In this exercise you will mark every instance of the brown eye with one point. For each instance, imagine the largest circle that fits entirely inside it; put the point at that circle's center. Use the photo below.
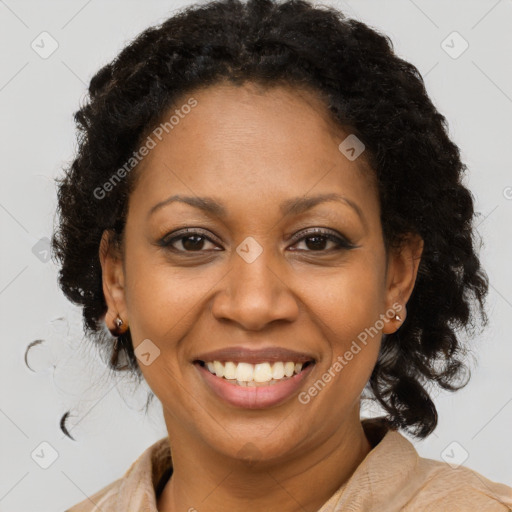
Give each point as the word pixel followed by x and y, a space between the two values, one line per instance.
pixel 191 241
pixel 317 239
pixel 316 242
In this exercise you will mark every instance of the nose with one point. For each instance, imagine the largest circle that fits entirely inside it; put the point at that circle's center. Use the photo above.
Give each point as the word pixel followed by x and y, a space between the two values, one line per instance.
pixel 255 294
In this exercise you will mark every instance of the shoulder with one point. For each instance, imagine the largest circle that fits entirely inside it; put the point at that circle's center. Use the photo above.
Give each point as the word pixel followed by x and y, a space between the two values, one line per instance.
pixel 102 501
pixel 135 489
pixel 441 487
pixel 397 478
pixel 460 488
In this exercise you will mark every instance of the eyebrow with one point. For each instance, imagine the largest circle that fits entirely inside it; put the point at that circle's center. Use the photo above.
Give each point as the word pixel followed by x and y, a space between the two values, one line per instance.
pixel 293 206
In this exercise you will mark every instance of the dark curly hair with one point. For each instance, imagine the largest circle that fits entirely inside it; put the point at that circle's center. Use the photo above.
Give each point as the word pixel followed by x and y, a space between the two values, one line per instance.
pixel 367 89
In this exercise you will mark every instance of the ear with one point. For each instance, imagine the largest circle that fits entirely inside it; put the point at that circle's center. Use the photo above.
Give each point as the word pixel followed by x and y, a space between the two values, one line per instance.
pixel 112 275
pixel 401 275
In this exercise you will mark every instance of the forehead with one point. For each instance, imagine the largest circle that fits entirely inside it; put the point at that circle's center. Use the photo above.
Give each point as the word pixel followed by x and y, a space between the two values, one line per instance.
pixel 251 142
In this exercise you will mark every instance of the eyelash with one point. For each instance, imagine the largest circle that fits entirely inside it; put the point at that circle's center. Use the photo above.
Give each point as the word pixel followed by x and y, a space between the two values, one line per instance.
pixel 341 242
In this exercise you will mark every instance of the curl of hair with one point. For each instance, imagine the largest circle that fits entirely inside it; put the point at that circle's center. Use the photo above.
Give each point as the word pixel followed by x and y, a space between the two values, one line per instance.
pixel 368 90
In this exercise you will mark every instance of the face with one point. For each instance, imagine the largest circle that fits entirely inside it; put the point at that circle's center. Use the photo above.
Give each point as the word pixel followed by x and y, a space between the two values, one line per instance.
pixel 253 272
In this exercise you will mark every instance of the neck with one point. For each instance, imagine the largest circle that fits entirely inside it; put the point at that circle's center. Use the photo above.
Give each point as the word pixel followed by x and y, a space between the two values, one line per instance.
pixel 205 480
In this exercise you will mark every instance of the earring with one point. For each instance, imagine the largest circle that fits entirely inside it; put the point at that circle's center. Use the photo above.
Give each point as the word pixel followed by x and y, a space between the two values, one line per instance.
pixel 121 327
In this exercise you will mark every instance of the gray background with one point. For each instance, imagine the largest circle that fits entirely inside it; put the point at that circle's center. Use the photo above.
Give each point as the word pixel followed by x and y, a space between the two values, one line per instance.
pixel 37 99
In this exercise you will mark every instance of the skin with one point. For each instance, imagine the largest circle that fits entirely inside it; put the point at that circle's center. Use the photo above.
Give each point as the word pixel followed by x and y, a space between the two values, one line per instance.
pixel 251 149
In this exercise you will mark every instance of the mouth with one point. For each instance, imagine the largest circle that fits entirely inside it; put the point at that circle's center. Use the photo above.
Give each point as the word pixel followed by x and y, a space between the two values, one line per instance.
pixel 253 386
pixel 254 375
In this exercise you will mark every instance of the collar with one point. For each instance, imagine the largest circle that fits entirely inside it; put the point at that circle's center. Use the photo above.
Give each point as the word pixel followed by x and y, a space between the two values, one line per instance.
pixel 137 490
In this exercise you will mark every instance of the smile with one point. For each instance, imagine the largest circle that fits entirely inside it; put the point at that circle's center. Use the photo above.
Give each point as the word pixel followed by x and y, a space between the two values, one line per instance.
pixel 253 386
pixel 261 374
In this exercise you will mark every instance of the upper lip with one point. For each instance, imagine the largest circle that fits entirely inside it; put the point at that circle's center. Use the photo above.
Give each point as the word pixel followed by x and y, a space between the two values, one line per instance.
pixel 246 355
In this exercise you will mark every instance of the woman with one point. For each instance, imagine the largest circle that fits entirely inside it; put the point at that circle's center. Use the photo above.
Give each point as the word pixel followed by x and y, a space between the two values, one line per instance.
pixel 267 213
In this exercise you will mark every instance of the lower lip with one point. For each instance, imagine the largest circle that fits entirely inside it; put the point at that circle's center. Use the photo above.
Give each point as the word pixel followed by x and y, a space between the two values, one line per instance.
pixel 257 397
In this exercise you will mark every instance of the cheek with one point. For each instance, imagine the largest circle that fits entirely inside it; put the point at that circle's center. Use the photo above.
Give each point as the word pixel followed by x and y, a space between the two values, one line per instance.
pixel 351 298
pixel 160 300
pixel 348 307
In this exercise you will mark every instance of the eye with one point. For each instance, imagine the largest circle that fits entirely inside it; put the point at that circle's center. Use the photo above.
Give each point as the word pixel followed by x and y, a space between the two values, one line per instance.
pixel 191 240
pixel 316 240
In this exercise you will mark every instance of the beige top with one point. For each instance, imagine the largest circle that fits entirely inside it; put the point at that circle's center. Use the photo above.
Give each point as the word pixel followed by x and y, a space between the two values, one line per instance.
pixel 392 477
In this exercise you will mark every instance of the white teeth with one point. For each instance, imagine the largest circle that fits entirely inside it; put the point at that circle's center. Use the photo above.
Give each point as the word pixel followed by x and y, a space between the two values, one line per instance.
pixel 278 370
pixel 289 368
pixel 262 372
pixel 249 374
pixel 229 370
pixel 218 369
pixel 244 372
